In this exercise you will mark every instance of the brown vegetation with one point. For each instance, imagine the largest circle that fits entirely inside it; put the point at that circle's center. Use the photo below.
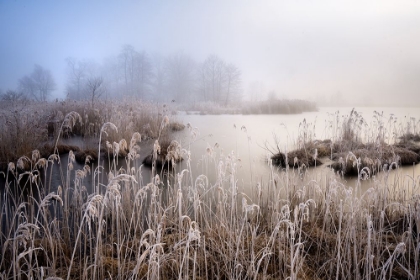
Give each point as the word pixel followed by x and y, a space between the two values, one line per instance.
pixel 350 155
pixel 197 230
pixel 29 126
pixel 290 226
pixel 165 153
pixel 274 106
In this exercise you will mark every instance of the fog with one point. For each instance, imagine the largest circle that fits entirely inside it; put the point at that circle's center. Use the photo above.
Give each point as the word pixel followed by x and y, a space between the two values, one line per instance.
pixel 332 52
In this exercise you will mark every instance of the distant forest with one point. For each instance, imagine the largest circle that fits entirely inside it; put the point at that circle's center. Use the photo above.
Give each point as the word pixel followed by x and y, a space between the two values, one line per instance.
pixel 155 77
pixel 132 73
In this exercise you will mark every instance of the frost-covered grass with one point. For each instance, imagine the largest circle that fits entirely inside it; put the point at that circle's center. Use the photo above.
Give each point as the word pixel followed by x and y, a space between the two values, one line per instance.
pixel 29 126
pixel 275 106
pixel 355 145
pixel 181 225
pixel 209 108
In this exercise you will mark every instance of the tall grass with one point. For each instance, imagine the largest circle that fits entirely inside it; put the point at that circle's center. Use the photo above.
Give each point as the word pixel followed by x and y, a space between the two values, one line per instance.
pixel 180 225
pixel 352 145
pixel 273 106
pixel 43 126
pixel 276 106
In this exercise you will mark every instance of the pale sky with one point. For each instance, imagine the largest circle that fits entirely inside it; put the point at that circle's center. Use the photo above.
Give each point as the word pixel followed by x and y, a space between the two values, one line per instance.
pixel 367 51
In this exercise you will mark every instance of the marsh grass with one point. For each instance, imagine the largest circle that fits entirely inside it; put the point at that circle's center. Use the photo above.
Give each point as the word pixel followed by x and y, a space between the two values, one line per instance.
pixel 276 106
pixel 208 108
pixel 46 126
pixel 355 145
pixel 181 225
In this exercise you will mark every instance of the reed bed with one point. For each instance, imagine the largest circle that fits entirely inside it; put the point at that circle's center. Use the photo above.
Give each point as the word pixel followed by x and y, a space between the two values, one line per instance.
pixel 25 127
pixel 274 106
pixel 209 108
pixel 180 225
pixel 354 144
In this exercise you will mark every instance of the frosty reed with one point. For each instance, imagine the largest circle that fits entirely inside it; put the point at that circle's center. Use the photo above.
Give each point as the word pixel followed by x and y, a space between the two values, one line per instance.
pixel 181 225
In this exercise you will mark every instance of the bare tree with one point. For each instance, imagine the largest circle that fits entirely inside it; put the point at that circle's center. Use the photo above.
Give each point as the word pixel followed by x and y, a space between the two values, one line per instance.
pixel 143 73
pixel 127 57
pixel 137 71
pixel 77 72
pixel 272 95
pixel 212 78
pixel 159 77
pixel 219 82
pixel 38 85
pixel 256 90
pixel 113 74
pixel 233 83
pixel 95 88
pixel 28 87
pixel 85 80
pixel 180 80
pixel 12 96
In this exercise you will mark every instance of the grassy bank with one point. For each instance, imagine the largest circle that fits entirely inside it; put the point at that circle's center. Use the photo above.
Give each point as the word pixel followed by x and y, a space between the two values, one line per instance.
pixel 275 106
pixel 356 146
pixel 181 225
pixel 43 126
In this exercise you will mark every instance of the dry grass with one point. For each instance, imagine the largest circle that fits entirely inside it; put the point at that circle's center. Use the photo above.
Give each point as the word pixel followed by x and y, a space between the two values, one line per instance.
pixel 208 108
pixel 285 106
pixel 188 226
pixel 46 126
pixel 352 151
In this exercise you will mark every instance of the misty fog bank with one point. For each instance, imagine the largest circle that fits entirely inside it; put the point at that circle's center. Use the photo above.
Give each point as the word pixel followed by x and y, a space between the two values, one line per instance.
pixel 348 53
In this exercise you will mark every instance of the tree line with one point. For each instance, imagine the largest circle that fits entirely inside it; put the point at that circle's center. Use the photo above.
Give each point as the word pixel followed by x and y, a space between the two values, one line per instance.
pixel 36 86
pixel 154 77
pixel 132 73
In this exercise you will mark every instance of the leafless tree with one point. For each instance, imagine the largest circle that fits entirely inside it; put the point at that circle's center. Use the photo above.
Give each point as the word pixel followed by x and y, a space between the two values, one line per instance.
pixel 180 69
pixel 219 82
pixel 212 78
pixel 272 95
pixel 38 85
pixel 143 73
pixel 113 74
pixel 77 72
pixel 256 91
pixel 233 83
pixel 127 57
pixel 12 96
pixel 28 87
pixel 137 71
pixel 95 88
pixel 159 77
